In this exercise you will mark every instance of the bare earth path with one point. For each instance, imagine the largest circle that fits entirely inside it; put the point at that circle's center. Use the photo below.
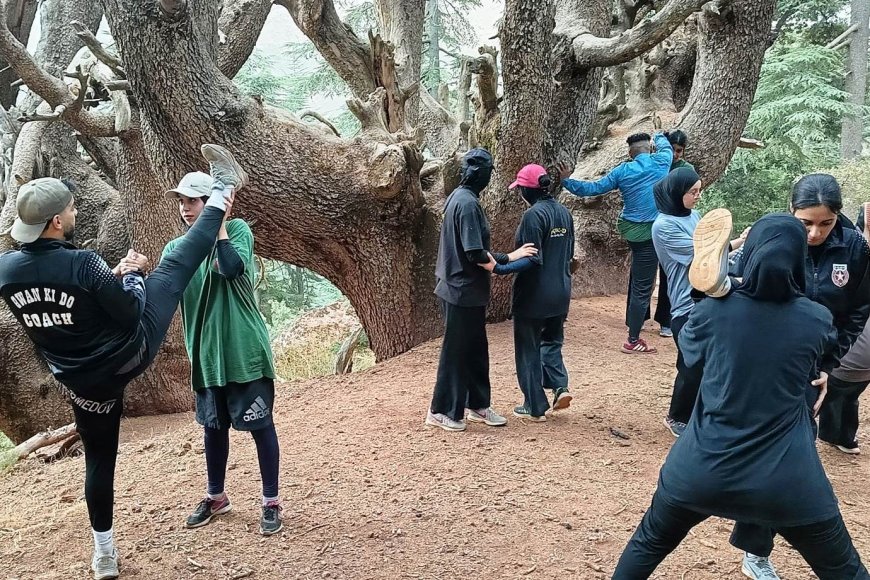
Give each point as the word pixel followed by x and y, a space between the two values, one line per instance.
pixel 369 492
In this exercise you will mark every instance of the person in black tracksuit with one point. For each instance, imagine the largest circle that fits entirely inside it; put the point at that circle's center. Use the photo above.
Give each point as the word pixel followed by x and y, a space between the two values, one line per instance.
pixel 541 295
pixel 462 285
pixel 836 277
pixel 99 328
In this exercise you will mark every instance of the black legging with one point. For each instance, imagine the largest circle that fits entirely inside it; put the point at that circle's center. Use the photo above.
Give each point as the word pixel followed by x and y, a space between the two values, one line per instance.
pixel 838 418
pixel 98 420
pixel 826 546
pixel 644 265
pixel 217 451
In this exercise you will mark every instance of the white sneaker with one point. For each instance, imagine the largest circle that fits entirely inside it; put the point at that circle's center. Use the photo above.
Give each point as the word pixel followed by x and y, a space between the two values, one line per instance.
pixel 758 568
pixel 105 566
pixel 487 416
pixel 443 421
pixel 708 272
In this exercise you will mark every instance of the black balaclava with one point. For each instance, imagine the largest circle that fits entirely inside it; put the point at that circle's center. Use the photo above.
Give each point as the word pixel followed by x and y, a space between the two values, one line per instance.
pixel 476 170
pixel 775 256
pixel 669 191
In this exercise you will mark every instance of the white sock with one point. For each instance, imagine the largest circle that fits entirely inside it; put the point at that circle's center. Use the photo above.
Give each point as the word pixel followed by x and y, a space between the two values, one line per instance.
pixel 268 500
pixel 219 201
pixel 104 544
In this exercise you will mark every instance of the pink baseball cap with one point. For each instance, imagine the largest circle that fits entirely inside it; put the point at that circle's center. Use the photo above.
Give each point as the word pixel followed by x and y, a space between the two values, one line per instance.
pixel 529 176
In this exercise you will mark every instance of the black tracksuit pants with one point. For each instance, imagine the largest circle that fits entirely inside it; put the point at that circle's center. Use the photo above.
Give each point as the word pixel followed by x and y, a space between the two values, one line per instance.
pixel 538 354
pixel 838 418
pixel 463 369
pixel 98 419
pixel 688 381
pixel 825 546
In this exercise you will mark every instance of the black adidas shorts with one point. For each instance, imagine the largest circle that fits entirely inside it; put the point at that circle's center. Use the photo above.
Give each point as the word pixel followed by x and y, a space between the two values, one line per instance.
pixel 244 406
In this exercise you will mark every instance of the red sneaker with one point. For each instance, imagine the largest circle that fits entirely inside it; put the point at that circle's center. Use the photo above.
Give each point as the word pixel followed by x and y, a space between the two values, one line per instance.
pixel 639 347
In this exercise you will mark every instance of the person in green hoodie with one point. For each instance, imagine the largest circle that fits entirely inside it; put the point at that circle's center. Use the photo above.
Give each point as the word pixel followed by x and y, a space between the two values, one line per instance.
pixel 232 372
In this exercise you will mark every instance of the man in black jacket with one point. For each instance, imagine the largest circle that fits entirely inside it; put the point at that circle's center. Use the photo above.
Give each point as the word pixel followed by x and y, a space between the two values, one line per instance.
pixel 98 328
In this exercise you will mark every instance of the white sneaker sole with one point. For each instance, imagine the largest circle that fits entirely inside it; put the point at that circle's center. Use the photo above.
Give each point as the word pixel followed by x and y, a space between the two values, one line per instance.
pixel 434 423
pixel 711 239
pixel 563 402
pixel 848 451
pixel 105 575
pixel 224 510
pixel 273 532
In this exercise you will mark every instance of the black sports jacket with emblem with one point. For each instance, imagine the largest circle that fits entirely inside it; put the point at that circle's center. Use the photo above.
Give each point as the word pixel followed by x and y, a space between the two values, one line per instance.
pixel 837 278
pixel 81 318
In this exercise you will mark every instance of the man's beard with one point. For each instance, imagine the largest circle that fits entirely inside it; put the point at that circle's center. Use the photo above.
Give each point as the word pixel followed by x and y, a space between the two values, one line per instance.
pixel 70 234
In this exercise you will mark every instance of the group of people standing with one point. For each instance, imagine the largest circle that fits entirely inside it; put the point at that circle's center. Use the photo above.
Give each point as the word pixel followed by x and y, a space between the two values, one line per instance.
pixel 769 328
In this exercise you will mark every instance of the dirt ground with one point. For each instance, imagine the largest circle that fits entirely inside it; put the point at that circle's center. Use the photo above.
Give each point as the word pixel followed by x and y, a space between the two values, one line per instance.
pixel 370 492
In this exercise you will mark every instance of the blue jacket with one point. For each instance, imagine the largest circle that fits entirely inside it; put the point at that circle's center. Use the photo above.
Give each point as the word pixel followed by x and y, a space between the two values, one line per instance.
pixel 634 179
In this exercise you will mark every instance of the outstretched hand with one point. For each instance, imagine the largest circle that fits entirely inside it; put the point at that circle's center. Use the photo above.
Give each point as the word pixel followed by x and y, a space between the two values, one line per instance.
pixel 820 383
pixel 565 170
pixel 524 251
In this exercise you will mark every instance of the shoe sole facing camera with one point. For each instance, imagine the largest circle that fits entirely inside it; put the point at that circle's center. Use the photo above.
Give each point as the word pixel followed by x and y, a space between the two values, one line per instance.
pixel 217 154
pixel 224 510
pixel 563 402
pixel 711 238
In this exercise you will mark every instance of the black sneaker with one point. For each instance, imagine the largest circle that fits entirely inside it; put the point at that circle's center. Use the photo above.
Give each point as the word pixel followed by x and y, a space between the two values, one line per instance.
pixel 561 398
pixel 206 510
pixel 524 412
pixel 270 521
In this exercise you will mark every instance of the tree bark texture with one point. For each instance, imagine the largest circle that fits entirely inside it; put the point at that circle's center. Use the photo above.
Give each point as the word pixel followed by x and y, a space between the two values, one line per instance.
pixel 852 139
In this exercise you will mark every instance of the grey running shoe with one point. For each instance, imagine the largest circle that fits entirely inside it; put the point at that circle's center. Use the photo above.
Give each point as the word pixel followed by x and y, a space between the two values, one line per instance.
pixel 270 521
pixel 709 270
pixel 487 416
pixel 675 427
pixel 758 568
pixel 206 510
pixel 524 412
pixel 224 167
pixel 666 332
pixel 443 421
pixel 105 566
pixel 562 398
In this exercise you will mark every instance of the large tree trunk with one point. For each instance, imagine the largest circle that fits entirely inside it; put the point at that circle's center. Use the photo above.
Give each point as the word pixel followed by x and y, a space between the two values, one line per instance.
pixel 19 16
pixel 852 140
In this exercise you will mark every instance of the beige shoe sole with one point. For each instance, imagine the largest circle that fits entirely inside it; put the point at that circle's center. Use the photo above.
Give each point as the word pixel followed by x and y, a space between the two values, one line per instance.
pixel 711 239
pixel 216 153
pixel 563 403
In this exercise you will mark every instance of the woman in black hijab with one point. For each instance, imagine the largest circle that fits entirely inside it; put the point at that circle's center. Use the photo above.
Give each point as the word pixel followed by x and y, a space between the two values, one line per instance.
pixel 748 452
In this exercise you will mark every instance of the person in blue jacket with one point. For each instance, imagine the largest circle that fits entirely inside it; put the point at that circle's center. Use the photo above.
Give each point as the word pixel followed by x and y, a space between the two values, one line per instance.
pixel 635 180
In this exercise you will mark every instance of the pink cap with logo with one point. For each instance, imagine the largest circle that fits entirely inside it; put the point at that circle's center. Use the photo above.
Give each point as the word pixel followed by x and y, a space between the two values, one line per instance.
pixel 529 176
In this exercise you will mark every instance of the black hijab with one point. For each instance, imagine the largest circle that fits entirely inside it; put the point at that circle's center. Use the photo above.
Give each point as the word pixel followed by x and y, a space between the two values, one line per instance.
pixel 669 191
pixel 775 255
pixel 476 169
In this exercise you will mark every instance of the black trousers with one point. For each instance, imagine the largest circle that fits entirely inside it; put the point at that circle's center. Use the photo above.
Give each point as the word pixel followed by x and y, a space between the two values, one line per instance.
pixel 688 381
pixel 644 265
pixel 838 418
pixel 826 546
pixel 663 304
pixel 98 418
pixel 463 369
pixel 538 355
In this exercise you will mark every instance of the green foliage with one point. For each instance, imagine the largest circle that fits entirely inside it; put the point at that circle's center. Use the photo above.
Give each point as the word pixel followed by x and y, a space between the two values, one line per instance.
pixel 259 77
pixel 797 113
pixel 854 180
pixel 287 291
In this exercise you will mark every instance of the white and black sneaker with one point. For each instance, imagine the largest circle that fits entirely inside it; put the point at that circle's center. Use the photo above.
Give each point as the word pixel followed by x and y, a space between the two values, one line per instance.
pixel 206 510
pixel 271 521
pixel 224 167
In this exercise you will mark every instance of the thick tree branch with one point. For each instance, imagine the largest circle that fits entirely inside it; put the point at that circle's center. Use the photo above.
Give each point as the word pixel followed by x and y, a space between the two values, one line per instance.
pixel 241 21
pixel 96 47
pixel 592 51
pixel 343 50
pixel 486 69
pixel 53 90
